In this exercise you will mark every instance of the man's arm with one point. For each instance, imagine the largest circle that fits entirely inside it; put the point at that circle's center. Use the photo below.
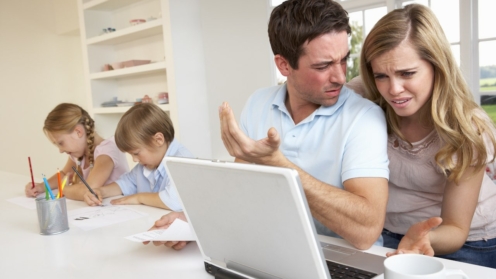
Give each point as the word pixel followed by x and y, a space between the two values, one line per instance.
pixel 356 213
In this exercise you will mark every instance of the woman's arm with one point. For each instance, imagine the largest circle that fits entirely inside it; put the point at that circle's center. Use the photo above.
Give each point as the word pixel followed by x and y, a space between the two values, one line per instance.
pixel 457 211
pixel 459 203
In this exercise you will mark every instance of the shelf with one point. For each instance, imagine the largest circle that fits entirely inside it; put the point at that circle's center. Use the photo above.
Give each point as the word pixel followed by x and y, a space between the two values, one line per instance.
pixel 107 5
pixel 131 71
pixel 139 31
pixel 117 110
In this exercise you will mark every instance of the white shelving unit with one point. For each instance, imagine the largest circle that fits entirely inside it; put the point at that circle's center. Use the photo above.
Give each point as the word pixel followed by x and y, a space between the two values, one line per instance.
pixel 151 40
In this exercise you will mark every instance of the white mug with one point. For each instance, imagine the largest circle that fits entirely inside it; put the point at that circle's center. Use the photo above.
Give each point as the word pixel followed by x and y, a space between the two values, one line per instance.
pixel 414 266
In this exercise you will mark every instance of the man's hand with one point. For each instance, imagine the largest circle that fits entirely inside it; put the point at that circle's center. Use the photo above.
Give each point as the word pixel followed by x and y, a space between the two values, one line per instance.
pixel 265 151
pixel 164 223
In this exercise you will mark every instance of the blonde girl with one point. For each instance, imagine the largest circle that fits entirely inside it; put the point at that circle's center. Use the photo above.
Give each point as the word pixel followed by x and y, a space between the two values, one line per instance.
pixel 70 128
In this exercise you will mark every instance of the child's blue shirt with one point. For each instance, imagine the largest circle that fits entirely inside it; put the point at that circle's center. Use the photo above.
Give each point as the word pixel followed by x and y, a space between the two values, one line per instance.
pixel 142 180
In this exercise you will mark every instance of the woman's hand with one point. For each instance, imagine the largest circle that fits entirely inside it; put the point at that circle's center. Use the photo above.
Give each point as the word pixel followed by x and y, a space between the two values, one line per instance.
pixel 416 239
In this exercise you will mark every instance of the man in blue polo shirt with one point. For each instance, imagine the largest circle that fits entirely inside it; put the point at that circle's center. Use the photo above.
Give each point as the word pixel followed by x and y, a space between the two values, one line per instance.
pixel 334 138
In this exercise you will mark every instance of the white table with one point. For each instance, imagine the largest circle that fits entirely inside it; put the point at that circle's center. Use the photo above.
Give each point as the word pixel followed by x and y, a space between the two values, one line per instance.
pixel 104 252
pixel 99 253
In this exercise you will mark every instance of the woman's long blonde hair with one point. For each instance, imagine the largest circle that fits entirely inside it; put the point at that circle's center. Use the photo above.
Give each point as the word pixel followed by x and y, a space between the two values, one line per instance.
pixel 451 108
pixel 64 118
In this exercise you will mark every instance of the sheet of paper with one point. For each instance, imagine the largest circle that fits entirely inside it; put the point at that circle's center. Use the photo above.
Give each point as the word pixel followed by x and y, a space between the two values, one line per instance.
pixel 177 231
pixel 89 218
pixel 26 202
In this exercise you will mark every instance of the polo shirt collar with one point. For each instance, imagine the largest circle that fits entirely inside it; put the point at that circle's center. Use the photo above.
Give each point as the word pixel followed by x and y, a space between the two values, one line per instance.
pixel 172 149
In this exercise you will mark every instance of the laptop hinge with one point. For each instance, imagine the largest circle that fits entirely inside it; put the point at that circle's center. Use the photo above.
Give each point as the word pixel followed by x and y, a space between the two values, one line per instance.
pixel 243 269
pixel 225 274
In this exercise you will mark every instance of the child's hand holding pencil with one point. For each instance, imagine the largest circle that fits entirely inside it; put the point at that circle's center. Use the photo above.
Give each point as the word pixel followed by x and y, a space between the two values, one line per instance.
pixel 32 192
pixel 93 199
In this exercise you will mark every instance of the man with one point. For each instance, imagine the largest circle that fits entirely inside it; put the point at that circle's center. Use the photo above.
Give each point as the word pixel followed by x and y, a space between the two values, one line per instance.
pixel 336 140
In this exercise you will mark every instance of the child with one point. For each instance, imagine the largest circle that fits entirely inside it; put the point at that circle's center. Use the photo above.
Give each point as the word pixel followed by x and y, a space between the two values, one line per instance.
pixel 99 160
pixel 145 131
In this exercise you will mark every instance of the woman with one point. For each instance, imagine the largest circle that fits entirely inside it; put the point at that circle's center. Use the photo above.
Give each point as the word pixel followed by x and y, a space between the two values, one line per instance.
pixel 441 202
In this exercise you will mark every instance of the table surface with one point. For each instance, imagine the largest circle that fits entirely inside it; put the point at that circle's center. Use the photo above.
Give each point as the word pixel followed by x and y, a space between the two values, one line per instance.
pixel 104 252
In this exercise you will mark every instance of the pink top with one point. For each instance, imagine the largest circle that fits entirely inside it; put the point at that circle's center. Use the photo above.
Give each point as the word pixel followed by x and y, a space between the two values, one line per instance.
pixel 109 148
pixel 416 186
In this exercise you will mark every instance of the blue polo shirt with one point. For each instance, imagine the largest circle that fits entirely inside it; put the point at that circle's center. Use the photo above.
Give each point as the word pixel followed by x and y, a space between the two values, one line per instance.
pixel 333 144
pixel 143 180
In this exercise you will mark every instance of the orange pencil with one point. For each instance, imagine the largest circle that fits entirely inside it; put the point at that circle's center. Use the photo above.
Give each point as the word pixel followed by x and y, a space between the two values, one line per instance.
pixel 59 195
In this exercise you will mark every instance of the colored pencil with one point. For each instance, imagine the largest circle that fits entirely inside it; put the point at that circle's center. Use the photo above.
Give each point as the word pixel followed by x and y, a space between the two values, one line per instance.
pixel 31 170
pixel 47 186
pixel 59 184
pixel 63 185
pixel 84 181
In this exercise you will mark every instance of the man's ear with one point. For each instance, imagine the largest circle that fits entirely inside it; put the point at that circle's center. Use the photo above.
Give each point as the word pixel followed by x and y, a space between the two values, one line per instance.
pixel 282 65
pixel 158 139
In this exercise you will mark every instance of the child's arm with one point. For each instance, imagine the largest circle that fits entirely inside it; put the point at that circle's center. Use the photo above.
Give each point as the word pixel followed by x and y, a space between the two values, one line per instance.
pixel 99 174
pixel 151 199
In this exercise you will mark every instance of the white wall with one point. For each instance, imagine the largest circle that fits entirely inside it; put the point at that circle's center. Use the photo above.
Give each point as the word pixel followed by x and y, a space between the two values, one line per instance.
pixel 38 70
pixel 237 57
pixel 190 80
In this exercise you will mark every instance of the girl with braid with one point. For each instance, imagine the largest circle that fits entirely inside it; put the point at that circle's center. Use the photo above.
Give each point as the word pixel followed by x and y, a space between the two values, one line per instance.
pixel 72 130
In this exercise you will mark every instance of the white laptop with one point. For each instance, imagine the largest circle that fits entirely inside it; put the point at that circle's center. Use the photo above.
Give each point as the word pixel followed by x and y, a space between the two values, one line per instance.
pixel 253 221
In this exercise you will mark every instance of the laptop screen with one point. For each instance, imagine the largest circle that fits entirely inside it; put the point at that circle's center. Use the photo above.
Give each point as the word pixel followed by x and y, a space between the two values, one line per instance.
pixel 249 218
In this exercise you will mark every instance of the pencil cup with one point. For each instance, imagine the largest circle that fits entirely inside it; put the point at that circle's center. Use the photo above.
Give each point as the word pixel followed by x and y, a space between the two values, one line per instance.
pixel 52 216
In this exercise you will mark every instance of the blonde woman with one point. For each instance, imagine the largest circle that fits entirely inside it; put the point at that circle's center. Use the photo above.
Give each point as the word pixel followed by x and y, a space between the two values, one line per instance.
pixel 441 201
pixel 71 129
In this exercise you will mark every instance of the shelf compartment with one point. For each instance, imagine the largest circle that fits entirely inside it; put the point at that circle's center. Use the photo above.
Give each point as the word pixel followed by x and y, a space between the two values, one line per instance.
pixel 117 110
pixel 107 5
pixel 139 31
pixel 131 71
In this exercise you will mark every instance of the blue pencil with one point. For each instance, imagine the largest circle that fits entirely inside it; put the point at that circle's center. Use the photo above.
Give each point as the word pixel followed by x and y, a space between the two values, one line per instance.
pixel 47 186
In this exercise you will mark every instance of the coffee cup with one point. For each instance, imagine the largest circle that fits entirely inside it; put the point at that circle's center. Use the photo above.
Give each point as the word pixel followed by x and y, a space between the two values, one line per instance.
pixel 414 266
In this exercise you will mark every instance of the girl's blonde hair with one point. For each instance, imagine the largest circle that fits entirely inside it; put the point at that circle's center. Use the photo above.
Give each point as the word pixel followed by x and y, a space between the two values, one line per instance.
pixel 139 124
pixel 451 108
pixel 64 118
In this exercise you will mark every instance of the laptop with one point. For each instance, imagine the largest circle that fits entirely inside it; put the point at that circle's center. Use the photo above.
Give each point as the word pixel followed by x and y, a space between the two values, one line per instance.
pixel 253 221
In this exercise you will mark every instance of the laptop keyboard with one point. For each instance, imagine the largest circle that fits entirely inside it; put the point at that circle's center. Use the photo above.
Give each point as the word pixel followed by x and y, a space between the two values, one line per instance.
pixel 339 271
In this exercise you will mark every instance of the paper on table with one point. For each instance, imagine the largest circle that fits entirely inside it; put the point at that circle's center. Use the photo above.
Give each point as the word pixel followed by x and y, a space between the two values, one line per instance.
pixel 24 202
pixel 177 231
pixel 89 218
pixel 28 202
